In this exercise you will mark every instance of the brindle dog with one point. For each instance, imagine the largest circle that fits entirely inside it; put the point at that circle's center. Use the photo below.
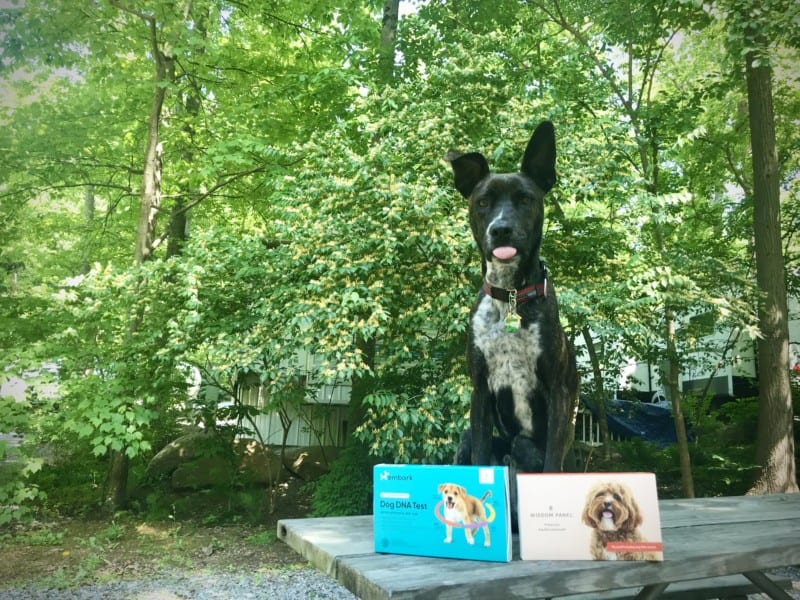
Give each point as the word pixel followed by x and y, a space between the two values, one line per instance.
pixel 525 382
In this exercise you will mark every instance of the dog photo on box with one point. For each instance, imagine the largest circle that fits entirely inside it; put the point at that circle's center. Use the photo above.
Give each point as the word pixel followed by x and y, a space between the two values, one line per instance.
pixel 589 516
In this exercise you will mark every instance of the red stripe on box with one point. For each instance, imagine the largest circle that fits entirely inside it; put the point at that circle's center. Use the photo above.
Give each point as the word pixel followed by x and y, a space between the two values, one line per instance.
pixel 635 547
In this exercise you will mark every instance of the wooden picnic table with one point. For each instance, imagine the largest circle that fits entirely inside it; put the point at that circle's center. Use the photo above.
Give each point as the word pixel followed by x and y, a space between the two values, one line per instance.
pixel 706 542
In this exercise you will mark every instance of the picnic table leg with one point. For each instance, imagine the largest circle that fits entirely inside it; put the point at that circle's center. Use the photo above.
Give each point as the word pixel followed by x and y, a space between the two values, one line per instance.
pixel 766 585
pixel 650 592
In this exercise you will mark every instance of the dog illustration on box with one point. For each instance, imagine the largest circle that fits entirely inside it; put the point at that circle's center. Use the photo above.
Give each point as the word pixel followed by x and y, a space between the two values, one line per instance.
pixel 614 515
pixel 463 510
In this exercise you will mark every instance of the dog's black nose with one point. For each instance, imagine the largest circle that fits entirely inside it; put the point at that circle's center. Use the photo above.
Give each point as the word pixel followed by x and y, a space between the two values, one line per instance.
pixel 500 231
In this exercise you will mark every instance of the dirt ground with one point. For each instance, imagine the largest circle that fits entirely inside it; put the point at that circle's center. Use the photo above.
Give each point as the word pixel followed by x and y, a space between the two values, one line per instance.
pixel 66 552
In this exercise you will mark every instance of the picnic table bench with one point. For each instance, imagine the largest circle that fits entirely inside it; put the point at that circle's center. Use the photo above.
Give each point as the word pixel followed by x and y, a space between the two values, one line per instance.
pixel 712 546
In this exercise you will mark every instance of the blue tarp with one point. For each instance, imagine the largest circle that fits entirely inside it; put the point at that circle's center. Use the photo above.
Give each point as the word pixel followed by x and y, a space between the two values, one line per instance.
pixel 638 419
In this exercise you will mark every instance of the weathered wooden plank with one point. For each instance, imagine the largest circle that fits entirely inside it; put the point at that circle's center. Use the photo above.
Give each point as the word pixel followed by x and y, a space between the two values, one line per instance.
pixel 702 538
pixel 322 540
pixel 727 509
pixel 418 577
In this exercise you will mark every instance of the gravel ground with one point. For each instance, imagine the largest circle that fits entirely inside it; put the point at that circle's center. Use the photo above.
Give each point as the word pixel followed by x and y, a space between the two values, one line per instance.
pixel 296 584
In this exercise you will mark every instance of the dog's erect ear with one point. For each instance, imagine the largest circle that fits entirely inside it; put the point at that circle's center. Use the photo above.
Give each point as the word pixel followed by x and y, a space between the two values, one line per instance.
pixel 468 168
pixel 539 160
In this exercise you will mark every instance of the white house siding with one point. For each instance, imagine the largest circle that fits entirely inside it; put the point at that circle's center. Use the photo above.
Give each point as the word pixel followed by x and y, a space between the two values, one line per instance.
pixel 312 425
pixel 321 420
pixel 794 333
pixel 736 378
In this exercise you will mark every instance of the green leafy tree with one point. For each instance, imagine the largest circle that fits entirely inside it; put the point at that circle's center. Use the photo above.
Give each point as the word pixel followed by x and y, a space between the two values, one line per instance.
pixel 174 77
pixel 667 280
pixel 289 194
pixel 753 27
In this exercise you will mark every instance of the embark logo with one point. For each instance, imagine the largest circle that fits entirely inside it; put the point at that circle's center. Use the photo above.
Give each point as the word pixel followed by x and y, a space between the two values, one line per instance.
pixel 386 476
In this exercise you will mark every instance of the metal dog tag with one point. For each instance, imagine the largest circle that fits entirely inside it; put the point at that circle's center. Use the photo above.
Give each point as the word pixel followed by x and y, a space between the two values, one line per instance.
pixel 512 321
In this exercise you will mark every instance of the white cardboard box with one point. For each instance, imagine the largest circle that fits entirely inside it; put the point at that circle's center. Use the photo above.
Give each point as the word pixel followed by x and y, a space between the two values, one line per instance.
pixel 589 516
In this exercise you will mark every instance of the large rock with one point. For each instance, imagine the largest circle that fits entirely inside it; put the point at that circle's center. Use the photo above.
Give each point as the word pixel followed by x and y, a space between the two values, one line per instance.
pixel 310 462
pixel 198 460
pixel 184 449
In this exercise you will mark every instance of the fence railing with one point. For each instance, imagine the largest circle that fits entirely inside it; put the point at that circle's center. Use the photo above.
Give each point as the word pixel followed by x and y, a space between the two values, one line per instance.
pixel 587 428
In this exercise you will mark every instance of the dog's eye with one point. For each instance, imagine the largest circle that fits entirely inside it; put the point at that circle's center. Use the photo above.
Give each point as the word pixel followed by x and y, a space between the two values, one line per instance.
pixel 617 498
pixel 483 202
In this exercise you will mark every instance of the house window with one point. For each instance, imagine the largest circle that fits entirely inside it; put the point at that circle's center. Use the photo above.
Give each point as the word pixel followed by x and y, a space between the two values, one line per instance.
pixel 251 396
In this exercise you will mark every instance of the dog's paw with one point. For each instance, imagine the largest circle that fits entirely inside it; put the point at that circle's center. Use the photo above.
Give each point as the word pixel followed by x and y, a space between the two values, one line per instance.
pixel 470 541
pixel 486 544
pixel 447 540
pixel 526 456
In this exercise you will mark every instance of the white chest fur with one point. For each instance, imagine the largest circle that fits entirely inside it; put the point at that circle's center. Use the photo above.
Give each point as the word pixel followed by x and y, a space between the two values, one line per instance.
pixel 511 357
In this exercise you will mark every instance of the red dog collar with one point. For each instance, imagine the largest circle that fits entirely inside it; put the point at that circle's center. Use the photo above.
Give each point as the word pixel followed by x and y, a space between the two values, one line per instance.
pixel 532 292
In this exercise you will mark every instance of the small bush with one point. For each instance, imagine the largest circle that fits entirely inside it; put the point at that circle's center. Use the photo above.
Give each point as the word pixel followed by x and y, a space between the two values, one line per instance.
pixel 722 454
pixel 347 488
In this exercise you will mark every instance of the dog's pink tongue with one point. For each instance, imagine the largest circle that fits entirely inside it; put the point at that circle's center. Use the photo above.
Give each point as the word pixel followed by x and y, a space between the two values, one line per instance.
pixel 504 252
pixel 607 514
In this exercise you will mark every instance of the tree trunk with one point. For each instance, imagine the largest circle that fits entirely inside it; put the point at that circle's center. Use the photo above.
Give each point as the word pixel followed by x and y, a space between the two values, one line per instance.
pixel 391 9
pixel 672 380
pixel 674 394
pixel 88 220
pixel 178 228
pixel 775 441
pixel 362 385
pixel 599 390
pixel 192 103
pixel 149 204
pixel 151 175
pixel 117 490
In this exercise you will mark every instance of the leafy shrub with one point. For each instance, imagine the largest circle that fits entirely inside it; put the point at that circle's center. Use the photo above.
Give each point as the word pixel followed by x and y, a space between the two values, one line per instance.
pixel 16 501
pixel 722 454
pixel 72 476
pixel 416 429
pixel 347 488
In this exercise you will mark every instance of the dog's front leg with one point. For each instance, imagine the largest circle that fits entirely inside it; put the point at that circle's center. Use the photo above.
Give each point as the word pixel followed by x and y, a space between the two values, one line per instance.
pixel 481 425
pixel 448 534
pixel 464 450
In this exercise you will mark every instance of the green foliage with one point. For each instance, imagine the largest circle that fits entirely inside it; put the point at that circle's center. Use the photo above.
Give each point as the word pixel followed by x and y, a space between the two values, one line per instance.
pixel 73 476
pixel 347 488
pixel 44 537
pixel 416 429
pixel 16 501
pixel 264 538
pixel 114 390
pixel 323 216
pixel 722 453
pixel 19 489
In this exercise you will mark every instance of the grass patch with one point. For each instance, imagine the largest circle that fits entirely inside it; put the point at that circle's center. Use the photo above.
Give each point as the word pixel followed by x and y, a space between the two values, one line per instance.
pixel 264 538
